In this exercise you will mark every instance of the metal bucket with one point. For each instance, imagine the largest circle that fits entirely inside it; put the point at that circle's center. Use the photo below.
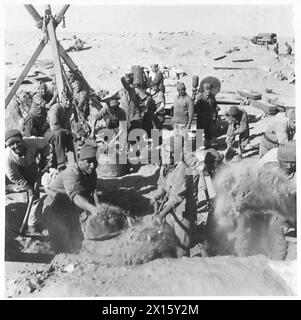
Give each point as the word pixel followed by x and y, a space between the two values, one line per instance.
pixel 109 166
pixel 138 75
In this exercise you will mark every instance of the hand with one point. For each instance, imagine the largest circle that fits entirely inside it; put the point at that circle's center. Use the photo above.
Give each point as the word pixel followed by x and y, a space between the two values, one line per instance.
pixel 154 201
pixel 95 211
pixel 32 193
pixel 157 220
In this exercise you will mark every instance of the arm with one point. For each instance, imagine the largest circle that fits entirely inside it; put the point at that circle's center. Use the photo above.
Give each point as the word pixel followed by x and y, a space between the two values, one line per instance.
pixel 281 132
pixel 158 78
pixel 160 190
pixel 176 195
pixel 74 189
pixel 243 125
pixel 97 117
pixel 161 104
pixel 14 175
pixel 54 119
pixel 190 113
pixel 53 100
pixel 84 204
pixel 82 100
pixel 96 199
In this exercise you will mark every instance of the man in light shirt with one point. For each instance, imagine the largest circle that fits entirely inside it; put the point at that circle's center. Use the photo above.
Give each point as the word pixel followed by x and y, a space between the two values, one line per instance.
pixel 21 167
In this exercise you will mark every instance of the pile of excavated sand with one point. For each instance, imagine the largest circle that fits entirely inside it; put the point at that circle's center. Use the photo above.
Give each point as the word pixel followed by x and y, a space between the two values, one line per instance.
pixel 74 276
pixel 145 242
pixel 109 220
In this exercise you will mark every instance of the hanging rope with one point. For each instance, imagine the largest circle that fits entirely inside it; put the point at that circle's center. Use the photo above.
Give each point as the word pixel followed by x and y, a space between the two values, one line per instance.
pixel 46 19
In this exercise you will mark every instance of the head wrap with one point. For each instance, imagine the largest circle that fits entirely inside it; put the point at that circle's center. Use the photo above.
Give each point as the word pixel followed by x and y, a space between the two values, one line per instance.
pixel 207 85
pixel 87 152
pixel 233 111
pixel 12 133
pixel 213 156
pixel 114 103
pixel 180 85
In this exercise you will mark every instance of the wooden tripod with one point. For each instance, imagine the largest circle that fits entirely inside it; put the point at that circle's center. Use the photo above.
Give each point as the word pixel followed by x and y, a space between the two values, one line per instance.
pixel 48 25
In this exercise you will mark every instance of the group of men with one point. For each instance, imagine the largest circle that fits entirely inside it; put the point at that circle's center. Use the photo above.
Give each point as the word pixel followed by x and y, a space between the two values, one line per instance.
pixel 48 132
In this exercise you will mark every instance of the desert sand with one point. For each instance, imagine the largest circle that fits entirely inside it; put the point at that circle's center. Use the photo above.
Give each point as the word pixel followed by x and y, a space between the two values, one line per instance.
pixel 31 271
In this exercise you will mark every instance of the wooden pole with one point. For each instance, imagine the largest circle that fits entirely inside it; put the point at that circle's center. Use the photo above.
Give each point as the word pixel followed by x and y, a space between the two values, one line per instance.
pixel 60 15
pixel 70 63
pixel 54 48
pixel 34 13
pixel 25 71
pixel 39 22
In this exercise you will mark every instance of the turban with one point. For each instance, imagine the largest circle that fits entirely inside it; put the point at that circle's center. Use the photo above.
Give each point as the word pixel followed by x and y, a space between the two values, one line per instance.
pixel 114 103
pixel 233 111
pixel 12 133
pixel 181 85
pixel 87 152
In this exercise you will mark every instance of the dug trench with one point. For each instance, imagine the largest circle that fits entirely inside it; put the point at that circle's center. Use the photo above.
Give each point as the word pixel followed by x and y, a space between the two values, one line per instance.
pixel 143 255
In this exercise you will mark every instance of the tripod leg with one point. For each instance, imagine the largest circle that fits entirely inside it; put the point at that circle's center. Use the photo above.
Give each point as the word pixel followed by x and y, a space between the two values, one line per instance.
pixel 24 73
pixel 69 62
pixel 56 56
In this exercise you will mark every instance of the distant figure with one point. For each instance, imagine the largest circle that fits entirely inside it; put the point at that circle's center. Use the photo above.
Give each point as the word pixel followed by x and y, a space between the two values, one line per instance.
pixel 78 44
pixel 157 90
pixel 288 48
pixel 183 111
pixel 207 112
pixel 157 83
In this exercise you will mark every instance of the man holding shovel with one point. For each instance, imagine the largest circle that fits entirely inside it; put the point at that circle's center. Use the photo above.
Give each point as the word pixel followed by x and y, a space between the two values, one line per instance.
pixel 176 192
pixel 21 168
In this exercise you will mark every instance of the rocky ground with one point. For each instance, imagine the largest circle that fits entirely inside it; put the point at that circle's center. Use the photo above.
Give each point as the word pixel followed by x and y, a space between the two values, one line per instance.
pixel 31 268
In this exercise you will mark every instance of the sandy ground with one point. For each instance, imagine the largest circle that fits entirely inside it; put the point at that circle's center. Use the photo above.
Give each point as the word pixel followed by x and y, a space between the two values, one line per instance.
pixel 31 268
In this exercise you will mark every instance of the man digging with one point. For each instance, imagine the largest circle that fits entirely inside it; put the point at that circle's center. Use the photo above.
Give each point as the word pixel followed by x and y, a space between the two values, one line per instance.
pixel 70 193
pixel 21 168
pixel 175 194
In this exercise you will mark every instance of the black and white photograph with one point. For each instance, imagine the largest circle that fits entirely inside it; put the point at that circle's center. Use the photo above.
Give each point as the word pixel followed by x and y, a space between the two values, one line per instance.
pixel 150 150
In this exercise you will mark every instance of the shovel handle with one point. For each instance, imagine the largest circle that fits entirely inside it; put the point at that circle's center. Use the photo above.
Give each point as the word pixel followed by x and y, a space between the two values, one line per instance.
pixel 25 220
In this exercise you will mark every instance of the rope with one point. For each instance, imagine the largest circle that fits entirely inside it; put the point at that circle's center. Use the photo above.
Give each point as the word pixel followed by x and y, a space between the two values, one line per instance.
pixel 44 28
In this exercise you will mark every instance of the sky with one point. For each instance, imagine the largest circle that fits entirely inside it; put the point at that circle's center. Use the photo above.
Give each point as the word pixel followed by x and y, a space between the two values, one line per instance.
pixel 229 20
